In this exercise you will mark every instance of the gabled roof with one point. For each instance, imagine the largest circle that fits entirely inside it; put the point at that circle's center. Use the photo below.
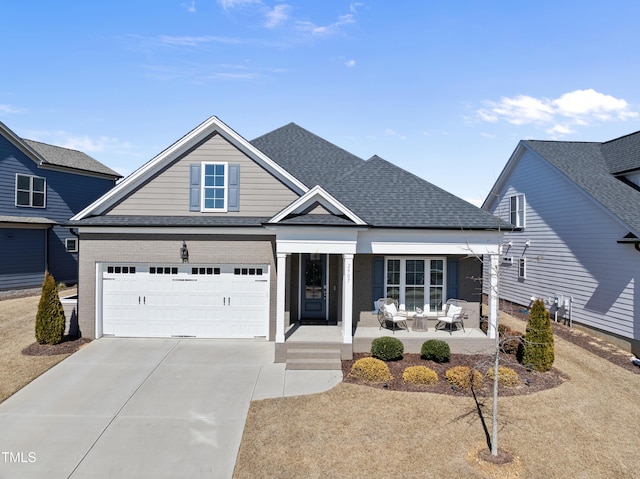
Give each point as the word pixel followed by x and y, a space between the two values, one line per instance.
pixel 385 195
pixel 209 127
pixel 56 156
pixel 591 166
pixel 311 159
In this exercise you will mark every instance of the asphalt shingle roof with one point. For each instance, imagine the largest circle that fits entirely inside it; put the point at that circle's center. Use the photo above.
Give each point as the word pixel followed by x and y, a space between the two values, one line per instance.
pixel 311 159
pixel 589 165
pixel 623 154
pixel 59 156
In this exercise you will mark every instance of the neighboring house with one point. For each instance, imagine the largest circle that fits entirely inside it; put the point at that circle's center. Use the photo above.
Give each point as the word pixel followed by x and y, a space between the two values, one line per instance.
pixel 219 237
pixel 576 208
pixel 41 187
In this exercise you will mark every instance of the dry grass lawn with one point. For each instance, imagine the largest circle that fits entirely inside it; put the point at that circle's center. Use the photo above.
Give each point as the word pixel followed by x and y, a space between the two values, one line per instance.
pixel 17 331
pixel 585 428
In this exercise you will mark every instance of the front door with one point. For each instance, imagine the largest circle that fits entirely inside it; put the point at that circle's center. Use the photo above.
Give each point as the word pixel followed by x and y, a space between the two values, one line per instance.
pixel 314 286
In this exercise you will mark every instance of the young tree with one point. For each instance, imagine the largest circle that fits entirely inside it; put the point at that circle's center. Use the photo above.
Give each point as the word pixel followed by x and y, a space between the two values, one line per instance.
pixel 50 320
pixel 538 340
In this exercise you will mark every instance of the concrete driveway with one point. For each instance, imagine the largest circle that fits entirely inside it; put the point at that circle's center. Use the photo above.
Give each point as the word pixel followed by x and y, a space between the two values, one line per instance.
pixel 138 408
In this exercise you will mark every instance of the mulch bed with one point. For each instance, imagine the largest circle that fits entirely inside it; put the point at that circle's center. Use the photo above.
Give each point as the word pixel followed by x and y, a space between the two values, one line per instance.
pixel 67 346
pixel 530 381
pixel 587 342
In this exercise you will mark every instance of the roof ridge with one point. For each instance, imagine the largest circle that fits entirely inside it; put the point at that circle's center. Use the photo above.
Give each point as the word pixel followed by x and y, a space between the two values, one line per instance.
pixel 621 137
pixel 54 146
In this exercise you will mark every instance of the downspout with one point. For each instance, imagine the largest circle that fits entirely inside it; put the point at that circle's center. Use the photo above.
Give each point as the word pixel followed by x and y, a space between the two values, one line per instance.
pixel 78 332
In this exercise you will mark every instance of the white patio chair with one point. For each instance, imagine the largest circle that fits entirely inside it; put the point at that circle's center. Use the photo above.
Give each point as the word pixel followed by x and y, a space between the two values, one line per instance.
pixel 390 313
pixel 454 315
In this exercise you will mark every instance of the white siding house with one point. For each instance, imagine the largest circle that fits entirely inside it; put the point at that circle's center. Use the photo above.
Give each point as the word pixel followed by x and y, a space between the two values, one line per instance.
pixel 573 215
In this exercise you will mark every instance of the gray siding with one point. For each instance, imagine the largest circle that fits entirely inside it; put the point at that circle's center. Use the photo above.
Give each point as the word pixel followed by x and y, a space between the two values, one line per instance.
pixel 573 251
pixel 167 194
pixel 203 249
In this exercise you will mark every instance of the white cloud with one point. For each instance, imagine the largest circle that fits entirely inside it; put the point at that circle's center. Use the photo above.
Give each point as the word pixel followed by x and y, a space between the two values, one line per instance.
pixel 392 132
pixel 575 108
pixel 226 4
pixel 350 63
pixel 189 7
pixel 10 109
pixel 84 143
pixel 277 16
pixel 310 27
pixel 354 6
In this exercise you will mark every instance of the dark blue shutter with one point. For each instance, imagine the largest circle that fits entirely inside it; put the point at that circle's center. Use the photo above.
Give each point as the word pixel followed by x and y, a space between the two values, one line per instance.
pixel 233 189
pixel 378 278
pixel 194 187
pixel 452 278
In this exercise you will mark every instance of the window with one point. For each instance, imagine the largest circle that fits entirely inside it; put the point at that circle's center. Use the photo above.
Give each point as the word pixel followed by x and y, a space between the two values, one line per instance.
pixel 71 245
pixel 522 268
pixel 516 211
pixel 416 282
pixel 30 191
pixel 214 189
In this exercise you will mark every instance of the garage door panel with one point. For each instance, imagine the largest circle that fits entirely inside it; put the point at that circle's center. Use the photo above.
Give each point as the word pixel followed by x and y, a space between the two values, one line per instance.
pixel 211 301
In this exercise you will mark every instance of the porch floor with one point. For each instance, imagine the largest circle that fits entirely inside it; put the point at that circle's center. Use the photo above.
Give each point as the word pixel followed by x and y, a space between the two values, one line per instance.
pixel 470 341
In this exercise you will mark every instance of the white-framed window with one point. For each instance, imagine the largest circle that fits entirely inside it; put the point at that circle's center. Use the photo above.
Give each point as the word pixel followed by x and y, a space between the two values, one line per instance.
pixel 31 191
pixel 522 268
pixel 517 210
pixel 214 186
pixel 416 282
pixel 71 245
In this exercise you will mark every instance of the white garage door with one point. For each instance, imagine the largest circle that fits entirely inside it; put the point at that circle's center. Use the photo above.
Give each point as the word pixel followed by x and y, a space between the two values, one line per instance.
pixel 202 301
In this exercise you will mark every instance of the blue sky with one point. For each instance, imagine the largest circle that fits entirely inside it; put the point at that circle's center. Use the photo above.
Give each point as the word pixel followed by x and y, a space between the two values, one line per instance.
pixel 442 89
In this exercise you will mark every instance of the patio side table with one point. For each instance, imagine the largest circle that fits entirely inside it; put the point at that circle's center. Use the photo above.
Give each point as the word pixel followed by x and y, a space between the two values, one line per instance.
pixel 419 322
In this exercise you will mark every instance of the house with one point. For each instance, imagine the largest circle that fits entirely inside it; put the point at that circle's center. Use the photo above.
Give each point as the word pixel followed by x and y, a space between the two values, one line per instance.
pixel 576 242
pixel 41 187
pixel 220 237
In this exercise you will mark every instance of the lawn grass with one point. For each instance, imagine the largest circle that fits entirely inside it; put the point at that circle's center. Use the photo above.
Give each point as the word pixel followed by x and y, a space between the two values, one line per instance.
pixel 17 331
pixel 586 427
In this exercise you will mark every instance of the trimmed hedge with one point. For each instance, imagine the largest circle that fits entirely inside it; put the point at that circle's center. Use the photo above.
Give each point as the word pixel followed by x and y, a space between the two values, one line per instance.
pixel 371 369
pixel 387 348
pixel 436 350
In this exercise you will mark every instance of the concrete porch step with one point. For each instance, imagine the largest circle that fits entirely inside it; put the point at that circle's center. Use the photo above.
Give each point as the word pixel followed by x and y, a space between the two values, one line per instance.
pixel 313 357
pixel 314 363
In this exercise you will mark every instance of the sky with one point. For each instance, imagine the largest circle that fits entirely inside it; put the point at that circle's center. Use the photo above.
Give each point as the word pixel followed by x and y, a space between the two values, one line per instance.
pixel 443 89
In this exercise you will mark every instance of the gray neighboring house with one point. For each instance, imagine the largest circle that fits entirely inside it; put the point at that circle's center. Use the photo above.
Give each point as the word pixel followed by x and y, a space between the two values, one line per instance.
pixel 41 187
pixel 576 206
pixel 220 237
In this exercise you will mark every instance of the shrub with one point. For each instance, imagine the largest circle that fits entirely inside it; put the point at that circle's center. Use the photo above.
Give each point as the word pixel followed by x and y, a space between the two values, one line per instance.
pixel 506 376
pixel 538 350
pixel 436 350
pixel 50 320
pixel 420 375
pixel 387 348
pixel 464 377
pixel 511 342
pixel 371 369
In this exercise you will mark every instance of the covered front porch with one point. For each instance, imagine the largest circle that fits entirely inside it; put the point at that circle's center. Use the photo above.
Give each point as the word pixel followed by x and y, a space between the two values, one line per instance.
pixel 359 266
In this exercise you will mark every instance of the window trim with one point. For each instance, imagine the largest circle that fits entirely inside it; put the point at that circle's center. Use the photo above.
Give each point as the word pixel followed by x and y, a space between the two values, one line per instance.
pixel 519 213
pixel 31 191
pixel 74 249
pixel 522 268
pixel 427 278
pixel 225 188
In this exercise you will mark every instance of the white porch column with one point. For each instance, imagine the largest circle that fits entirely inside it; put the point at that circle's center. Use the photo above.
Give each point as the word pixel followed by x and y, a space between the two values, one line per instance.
pixel 347 298
pixel 281 274
pixel 493 295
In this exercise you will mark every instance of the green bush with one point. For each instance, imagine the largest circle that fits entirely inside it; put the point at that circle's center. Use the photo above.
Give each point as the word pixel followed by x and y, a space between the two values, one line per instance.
pixel 371 369
pixel 538 350
pixel 420 375
pixel 436 350
pixel 387 348
pixel 50 320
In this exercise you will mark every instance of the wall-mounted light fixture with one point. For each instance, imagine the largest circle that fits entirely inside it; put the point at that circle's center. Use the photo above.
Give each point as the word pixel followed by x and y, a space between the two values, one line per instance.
pixel 630 238
pixel 527 243
pixel 184 253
